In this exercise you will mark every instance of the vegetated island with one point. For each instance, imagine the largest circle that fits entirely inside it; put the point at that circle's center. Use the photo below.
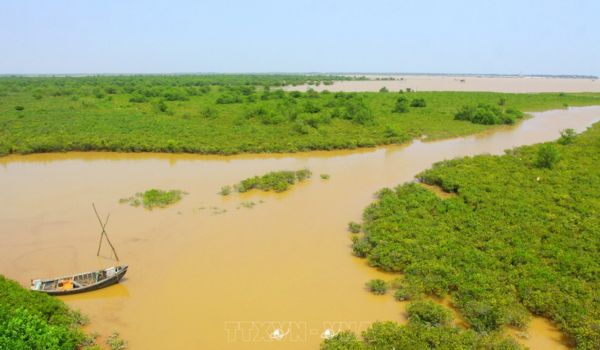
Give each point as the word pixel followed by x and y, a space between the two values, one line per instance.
pixel 229 114
pixel 154 198
pixel 520 237
pixel 278 181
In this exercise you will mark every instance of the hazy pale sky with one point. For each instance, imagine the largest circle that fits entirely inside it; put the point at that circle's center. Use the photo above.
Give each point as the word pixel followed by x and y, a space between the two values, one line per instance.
pixel 134 36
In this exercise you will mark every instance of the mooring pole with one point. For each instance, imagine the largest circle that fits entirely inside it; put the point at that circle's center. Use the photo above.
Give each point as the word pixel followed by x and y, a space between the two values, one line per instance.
pixel 103 233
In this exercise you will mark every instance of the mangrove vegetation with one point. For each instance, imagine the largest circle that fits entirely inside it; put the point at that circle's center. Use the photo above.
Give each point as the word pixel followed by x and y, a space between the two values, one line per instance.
pixel 154 198
pixel 520 237
pixel 228 114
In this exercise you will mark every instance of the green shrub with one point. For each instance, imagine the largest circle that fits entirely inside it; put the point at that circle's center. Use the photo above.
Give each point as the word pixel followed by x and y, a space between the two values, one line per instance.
pixel 154 198
pixel 377 286
pixel 325 176
pixel 418 103
pixel 33 320
pixel 567 136
pixel 401 105
pixel 547 156
pixel 278 181
pixel 429 313
pixel 19 108
pixel 354 227
pixel 384 89
pixel 487 114
pixel 225 190
pixel 344 340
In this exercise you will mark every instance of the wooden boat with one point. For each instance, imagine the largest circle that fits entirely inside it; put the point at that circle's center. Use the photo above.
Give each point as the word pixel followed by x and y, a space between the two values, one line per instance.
pixel 79 283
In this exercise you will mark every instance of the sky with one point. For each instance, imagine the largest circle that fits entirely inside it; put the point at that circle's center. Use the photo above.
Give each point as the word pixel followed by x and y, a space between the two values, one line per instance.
pixel 185 36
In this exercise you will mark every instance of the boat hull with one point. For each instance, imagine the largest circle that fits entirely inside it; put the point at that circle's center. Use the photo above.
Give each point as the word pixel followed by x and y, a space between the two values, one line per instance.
pixel 99 285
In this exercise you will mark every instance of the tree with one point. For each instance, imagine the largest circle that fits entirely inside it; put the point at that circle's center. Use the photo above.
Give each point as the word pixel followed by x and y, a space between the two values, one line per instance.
pixel 401 105
pixel 547 156
pixel 567 136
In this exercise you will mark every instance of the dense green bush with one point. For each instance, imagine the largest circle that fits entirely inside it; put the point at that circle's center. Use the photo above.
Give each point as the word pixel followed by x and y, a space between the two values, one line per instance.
pixel 377 286
pixel 418 103
pixel 547 156
pixel 354 227
pixel 154 198
pixel 516 239
pixel 488 114
pixel 429 313
pixel 278 181
pixel 32 321
pixel 401 105
pixel 567 136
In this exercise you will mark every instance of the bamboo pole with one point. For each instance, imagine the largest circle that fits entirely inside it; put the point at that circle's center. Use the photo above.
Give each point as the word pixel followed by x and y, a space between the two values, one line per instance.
pixel 103 233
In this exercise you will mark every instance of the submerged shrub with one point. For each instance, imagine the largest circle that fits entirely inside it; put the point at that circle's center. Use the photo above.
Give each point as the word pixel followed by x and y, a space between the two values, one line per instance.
pixel 354 227
pixel 154 198
pixel 225 190
pixel 278 181
pixel 377 286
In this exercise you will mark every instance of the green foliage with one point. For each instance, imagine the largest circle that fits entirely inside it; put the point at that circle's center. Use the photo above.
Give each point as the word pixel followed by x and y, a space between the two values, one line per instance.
pixel 384 89
pixel 429 313
pixel 226 114
pixel 115 342
pixel 488 114
pixel 345 340
pixel 377 286
pixel 31 320
pixel 418 102
pixel 401 105
pixel 515 240
pixel 154 198
pixel 225 190
pixel 19 108
pixel 354 227
pixel 325 176
pixel 567 137
pixel 547 156
pixel 278 181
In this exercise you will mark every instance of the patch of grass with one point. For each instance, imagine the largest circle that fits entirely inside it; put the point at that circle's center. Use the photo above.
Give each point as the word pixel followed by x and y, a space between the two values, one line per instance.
pixel 278 181
pixel 154 198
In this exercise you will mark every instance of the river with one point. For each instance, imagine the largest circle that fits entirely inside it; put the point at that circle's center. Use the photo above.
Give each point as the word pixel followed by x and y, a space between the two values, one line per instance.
pixel 209 273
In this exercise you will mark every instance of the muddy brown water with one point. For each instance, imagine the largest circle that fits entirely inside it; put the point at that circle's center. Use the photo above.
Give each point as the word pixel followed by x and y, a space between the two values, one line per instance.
pixel 201 277
pixel 461 83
